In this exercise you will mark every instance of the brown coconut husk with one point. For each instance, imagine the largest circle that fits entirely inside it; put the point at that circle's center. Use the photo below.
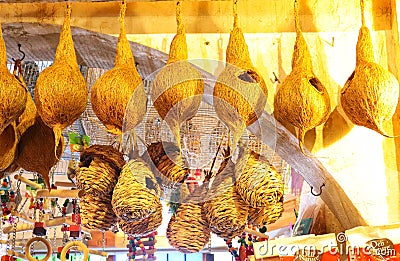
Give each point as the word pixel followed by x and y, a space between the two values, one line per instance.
pixel 370 96
pixel 260 217
pixel 225 210
pixel 135 199
pixel 178 87
pixel 8 146
pixel 12 91
pixel 301 99
pixel 61 94
pixel 258 182
pixel 167 163
pixel 112 92
pixel 36 150
pixel 240 93
pixel 96 212
pixel 143 227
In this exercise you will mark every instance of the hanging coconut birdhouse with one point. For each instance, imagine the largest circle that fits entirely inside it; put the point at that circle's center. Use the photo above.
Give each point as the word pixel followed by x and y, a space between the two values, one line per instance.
pixel 370 95
pixel 178 87
pixel 301 99
pixel 61 94
pixel 240 93
pixel 120 87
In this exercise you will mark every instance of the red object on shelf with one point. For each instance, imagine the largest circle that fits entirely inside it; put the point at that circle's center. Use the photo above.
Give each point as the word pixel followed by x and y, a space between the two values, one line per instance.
pixel 8 258
pixel 75 231
pixel 39 229
pixel 76 218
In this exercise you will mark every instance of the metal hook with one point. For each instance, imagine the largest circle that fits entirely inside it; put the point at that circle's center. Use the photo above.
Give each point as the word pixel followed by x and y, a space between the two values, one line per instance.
pixel 320 190
pixel 23 54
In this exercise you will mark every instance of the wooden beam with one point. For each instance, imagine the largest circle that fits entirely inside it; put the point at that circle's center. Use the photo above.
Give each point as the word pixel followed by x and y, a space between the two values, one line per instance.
pixel 158 17
pixel 54 193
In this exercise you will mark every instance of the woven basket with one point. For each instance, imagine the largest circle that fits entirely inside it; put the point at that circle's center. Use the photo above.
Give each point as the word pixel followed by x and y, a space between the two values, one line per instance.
pixel 260 217
pixel 240 93
pixel 167 163
pixel 178 87
pixel 61 94
pixel 225 210
pixel 258 182
pixel 36 150
pixel 187 229
pixel 143 227
pixel 28 117
pixel 8 146
pixel 301 99
pixel 114 90
pixel 12 91
pixel 96 212
pixel 370 96
pixel 133 200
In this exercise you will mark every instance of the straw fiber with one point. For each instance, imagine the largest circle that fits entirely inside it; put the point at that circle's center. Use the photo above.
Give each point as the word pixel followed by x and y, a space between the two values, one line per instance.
pixel 178 87
pixel 225 211
pixel 28 117
pixel 370 95
pixel 60 93
pixel 263 216
pixel 166 161
pixel 301 99
pixel 135 199
pixel 112 92
pixel 8 146
pixel 258 182
pixel 36 150
pixel 96 212
pixel 142 227
pixel 240 93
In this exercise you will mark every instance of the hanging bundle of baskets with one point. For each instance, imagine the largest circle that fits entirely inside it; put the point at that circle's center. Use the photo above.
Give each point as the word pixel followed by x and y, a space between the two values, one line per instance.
pixel 99 169
pixel 225 210
pixel 178 87
pixel 370 95
pixel 260 217
pixel 36 149
pixel 240 93
pixel 61 94
pixel 167 162
pixel 301 99
pixel 12 92
pixel 120 90
pixel 96 212
pixel 137 194
pixel 258 182
pixel 142 227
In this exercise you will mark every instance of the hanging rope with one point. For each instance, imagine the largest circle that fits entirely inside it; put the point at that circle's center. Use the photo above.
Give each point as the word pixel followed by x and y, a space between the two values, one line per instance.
pixel 122 17
pixel 296 16
pixel 179 20
pixel 362 13
pixel 235 14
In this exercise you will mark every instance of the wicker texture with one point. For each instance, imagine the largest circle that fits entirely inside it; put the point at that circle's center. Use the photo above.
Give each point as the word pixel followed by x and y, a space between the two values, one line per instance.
pixel 36 150
pixel 178 87
pixel 142 227
pixel 260 217
pixel 28 117
pixel 167 163
pixel 61 94
pixel 133 200
pixel 118 87
pixel 301 99
pixel 96 212
pixel 240 93
pixel 258 182
pixel 8 146
pixel 370 95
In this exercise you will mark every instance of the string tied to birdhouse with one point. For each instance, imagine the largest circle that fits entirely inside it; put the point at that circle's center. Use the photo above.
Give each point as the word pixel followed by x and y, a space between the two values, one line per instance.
pixel 179 19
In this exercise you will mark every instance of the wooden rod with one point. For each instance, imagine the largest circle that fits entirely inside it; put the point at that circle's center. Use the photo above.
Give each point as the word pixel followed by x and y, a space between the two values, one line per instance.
pixel 19 255
pixel 5 242
pixel 28 182
pixel 20 228
pixel 24 217
pixel 65 184
pixel 55 193
pixel 99 253
pixel 256 233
